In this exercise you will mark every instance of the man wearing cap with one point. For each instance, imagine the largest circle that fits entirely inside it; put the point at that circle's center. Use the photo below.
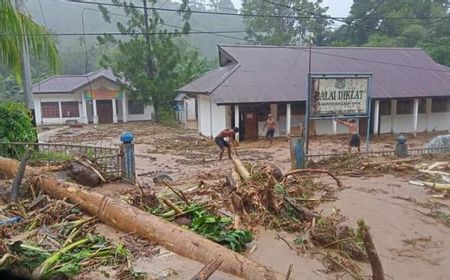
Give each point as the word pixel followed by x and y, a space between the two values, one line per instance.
pixel 270 124
pixel 355 140
pixel 222 143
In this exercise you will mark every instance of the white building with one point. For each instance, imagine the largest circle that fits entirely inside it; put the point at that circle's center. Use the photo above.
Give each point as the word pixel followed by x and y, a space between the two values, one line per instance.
pixel 91 98
pixel 410 91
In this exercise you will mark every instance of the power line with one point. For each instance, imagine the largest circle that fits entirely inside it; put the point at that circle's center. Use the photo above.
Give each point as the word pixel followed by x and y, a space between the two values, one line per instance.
pixel 124 34
pixel 169 25
pixel 312 14
pixel 344 21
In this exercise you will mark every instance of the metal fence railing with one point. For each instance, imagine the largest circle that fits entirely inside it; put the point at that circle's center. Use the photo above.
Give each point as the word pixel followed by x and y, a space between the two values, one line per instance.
pixel 106 159
pixel 382 153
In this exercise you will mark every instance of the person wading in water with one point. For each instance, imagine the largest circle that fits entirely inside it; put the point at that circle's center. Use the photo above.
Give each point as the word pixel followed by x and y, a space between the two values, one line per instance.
pixel 355 140
pixel 222 143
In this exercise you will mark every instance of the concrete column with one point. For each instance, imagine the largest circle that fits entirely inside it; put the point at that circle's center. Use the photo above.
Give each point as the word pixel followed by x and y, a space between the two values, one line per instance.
pixel 393 113
pixel 415 115
pixel 428 114
pixel 84 118
pixel 60 110
pixel 114 107
pixel 376 118
pixel 334 123
pixel 288 119
pixel 236 120
pixel 94 111
pixel 124 109
pixel 448 109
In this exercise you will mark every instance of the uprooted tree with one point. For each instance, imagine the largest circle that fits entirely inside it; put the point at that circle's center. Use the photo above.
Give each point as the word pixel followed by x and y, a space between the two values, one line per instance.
pixel 150 61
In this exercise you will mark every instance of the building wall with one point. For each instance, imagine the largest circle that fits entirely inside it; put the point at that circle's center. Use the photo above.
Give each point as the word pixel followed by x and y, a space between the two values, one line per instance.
pixel 56 98
pixel 210 124
pixel 38 98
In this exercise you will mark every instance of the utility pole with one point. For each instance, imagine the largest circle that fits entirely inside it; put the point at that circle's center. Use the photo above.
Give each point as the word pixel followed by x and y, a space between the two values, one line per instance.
pixel 26 69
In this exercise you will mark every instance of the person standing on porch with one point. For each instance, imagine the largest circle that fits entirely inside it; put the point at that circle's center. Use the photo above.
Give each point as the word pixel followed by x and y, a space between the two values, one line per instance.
pixel 222 143
pixel 270 124
pixel 355 140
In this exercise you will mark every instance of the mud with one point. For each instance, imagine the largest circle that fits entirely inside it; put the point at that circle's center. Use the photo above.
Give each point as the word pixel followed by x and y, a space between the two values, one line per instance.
pixel 411 243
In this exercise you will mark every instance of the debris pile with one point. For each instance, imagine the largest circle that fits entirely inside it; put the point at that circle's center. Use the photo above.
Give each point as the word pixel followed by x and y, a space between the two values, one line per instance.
pixel 43 238
pixel 360 165
pixel 258 195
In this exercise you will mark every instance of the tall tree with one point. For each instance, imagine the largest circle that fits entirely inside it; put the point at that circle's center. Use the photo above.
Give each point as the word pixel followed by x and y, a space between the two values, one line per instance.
pixel 16 28
pixel 398 23
pixel 293 20
pixel 148 56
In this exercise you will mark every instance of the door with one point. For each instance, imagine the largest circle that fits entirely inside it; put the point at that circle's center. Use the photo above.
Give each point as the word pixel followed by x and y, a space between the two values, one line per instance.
pixel 104 111
pixel 251 125
pixel 363 126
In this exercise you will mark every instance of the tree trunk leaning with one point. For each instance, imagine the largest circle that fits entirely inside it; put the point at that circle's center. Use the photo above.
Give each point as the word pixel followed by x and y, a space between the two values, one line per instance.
pixel 18 180
pixel 374 259
pixel 130 219
pixel 240 168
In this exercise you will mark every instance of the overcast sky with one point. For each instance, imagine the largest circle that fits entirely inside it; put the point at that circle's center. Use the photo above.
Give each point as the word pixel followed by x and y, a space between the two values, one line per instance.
pixel 338 8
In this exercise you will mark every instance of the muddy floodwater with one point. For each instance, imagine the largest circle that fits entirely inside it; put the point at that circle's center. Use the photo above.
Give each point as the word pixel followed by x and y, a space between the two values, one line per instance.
pixel 411 243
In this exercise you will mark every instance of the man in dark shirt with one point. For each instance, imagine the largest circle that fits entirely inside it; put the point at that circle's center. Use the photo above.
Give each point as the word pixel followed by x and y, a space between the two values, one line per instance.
pixel 222 143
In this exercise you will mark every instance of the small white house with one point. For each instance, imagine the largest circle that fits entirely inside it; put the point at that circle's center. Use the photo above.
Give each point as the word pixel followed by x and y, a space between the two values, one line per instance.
pixel 92 98
pixel 185 108
pixel 410 91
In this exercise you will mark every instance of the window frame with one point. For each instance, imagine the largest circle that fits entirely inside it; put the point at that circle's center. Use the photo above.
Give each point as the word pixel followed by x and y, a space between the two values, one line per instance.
pixel 405 107
pixel 75 105
pixel 46 108
pixel 132 105
pixel 437 102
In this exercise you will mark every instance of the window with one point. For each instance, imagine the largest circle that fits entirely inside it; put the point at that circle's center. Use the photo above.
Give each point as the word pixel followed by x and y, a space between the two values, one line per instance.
pixel 263 111
pixel 135 107
pixel 298 108
pixel 405 107
pixel 385 107
pixel 422 106
pixel 439 105
pixel 50 109
pixel 70 109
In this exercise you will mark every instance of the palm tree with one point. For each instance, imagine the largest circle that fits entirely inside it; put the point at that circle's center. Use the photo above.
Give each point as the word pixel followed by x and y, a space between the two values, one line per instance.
pixel 16 29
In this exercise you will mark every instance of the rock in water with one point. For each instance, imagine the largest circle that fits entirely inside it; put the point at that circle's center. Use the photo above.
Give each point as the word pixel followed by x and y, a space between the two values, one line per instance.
pixel 83 175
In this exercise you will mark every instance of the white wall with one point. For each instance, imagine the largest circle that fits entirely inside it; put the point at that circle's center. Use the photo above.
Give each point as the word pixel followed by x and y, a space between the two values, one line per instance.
pixel 55 97
pixel 190 108
pixel 218 117
pixel 404 123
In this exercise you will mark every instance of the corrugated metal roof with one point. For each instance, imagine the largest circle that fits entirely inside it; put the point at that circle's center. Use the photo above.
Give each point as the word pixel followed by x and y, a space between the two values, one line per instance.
pixel 279 74
pixel 70 83
pixel 209 81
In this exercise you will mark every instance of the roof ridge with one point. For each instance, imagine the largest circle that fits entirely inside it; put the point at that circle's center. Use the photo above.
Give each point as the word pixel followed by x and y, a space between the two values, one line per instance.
pixel 315 47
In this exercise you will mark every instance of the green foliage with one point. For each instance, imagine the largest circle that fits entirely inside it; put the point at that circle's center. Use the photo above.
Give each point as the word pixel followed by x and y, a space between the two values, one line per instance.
pixel 405 24
pixel 15 123
pixel 285 30
pixel 153 66
pixel 41 47
pixel 218 229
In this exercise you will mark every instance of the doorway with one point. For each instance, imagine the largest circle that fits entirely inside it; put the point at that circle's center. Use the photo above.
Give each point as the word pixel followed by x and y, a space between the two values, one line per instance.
pixel 251 124
pixel 104 111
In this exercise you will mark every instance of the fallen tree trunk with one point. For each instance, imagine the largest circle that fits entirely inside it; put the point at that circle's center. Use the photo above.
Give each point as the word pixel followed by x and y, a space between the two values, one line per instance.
pixel 130 219
pixel 374 259
pixel 240 168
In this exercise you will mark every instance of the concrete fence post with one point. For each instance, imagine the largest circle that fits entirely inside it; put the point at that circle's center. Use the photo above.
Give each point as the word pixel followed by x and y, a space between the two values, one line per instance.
pixel 127 154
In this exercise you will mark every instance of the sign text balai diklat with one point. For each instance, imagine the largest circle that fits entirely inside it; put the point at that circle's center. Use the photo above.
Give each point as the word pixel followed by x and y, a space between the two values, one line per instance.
pixel 339 96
